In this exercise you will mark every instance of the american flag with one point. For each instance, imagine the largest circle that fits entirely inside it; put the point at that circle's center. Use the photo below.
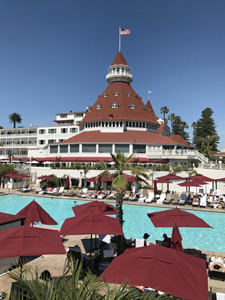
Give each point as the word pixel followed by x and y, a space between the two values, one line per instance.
pixel 124 31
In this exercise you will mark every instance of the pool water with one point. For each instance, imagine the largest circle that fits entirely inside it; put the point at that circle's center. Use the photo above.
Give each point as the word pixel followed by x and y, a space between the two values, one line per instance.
pixel 136 221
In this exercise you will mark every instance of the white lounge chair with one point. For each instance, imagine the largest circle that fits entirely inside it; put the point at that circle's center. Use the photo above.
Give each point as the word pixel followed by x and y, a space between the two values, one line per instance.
pixel 84 193
pixel 161 199
pixel 142 198
pixel 216 193
pixel 61 190
pixel 26 189
pixel 182 199
pixel 203 201
pixel 150 197
pixel 52 192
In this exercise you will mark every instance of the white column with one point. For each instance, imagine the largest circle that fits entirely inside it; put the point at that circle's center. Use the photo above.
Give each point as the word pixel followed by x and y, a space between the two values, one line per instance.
pixel 80 148
pixel 97 148
pixel 130 149
pixel 113 148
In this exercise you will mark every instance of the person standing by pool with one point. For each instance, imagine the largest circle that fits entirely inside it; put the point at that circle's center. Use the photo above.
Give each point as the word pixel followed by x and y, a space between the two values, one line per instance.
pixel 166 241
pixel 145 237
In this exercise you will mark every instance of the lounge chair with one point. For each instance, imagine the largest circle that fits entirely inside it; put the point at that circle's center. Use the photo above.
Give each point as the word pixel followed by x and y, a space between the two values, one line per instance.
pixel 176 199
pixel 142 198
pixel 168 199
pixel 101 196
pixel 211 192
pixel 201 191
pixel 216 193
pixel 188 199
pixel 26 189
pixel 182 199
pixel 195 202
pixel 52 192
pixel 150 197
pixel 59 193
pixel 161 199
pixel 203 201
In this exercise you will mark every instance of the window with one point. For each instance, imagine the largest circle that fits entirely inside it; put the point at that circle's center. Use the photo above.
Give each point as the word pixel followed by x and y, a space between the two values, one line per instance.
pixel 63 148
pixel 139 148
pixel 53 149
pixel 116 94
pixel 51 141
pixel 105 95
pixel 105 148
pixel 98 106
pixel 122 148
pixel 73 130
pixel 132 106
pixel 79 115
pixel 128 94
pixel 41 142
pixel 63 116
pixel 89 148
pixel 42 131
pixel 61 140
pixel 74 148
pixel 64 130
pixel 114 105
pixel 52 130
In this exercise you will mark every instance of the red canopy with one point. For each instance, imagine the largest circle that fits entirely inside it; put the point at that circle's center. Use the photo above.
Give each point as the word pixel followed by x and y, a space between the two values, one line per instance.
pixel 155 188
pixel 44 177
pixel 168 218
pixel 160 268
pixel 201 178
pixel 128 177
pixel 161 180
pixel 35 213
pixel 30 241
pixel 190 183
pixel 95 207
pixel 91 224
pixel 176 239
pixel 171 176
pixel 8 218
pixel 220 179
pixel 15 175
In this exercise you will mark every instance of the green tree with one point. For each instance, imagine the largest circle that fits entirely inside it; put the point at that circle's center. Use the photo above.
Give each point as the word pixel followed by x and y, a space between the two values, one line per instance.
pixel 207 145
pixel 15 118
pixel 4 169
pixel 164 110
pixel 205 126
pixel 171 118
pixel 179 127
pixel 193 125
pixel 119 183
pixel 86 168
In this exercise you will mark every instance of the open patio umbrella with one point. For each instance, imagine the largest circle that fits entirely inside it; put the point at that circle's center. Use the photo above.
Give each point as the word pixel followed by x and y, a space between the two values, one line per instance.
pixel 201 178
pixel 194 183
pixel 176 239
pixel 95 207
pixel 92 223
pixel 67 182
pixel 35 213
pixel 182 218
pixel 45 177
pixel 171 176
pixel 160 268
pixel 15 175
pixel 155 188
pixel 30 241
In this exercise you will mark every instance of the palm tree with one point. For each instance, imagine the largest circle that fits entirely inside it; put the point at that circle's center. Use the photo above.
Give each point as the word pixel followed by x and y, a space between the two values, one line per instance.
pixel 119 183
pixel 86 169
pixel 184 125
pixel 15 118
pixel 171 118
pixel 164 110
pixel 207 145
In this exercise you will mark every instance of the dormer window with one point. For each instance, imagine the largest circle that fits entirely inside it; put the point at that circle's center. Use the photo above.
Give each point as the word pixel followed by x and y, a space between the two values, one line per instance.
pixel 116 94
pixel 105 95
pixel 132 106
pixel 137 96
pixel 98 106
pixel 128 94
pixel 114 105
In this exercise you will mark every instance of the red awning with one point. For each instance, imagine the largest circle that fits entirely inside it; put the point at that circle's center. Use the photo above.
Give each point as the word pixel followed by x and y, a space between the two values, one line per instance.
pixel 95 207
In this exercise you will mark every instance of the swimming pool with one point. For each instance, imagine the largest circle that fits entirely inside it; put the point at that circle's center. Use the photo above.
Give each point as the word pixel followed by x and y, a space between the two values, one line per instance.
pixel 136 221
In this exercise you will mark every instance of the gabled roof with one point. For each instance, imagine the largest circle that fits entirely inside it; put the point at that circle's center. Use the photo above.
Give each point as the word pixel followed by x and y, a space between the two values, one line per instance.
pixel 126 97
pixel 130 136
pixel 119 60
pixel 179 139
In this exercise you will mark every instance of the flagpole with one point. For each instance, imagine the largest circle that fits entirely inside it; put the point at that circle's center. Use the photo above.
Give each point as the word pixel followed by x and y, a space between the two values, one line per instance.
pixel 119 39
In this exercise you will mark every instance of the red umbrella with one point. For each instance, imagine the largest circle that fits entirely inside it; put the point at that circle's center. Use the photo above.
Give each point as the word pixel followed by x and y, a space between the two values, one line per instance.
pixel 162 180
pixel 191 183
pixel 8 218
pixel 155 188
pixel 168 218
pixel 30 241
pixel 92 179
pixel 220 179
pixel 67 182
pixel 35 213
pixel 171 176
pixel 15 175
pixel 92 223
pixel 95 207
pixel 129 178
pixel 44 177
pixel 176 239
pixel 160 268
pixel 201 178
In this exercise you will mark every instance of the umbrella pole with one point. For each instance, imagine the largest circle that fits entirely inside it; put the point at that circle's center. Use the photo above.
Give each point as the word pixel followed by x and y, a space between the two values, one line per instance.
pixel 91 254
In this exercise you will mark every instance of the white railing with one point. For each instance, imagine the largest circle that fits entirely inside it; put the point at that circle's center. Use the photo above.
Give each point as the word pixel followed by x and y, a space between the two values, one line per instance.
pixel 177 154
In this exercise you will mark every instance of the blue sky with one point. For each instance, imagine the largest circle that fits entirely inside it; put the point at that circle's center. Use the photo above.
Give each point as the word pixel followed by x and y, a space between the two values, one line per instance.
pixel 54 55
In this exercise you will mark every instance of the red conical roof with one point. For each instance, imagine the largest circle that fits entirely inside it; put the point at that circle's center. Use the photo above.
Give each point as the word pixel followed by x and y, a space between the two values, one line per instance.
pixel 126 96
pixel 119 60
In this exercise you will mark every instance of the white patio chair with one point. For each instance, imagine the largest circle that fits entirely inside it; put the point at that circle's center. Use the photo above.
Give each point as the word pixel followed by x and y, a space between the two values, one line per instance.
pixel 161 199
pixel 150 197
